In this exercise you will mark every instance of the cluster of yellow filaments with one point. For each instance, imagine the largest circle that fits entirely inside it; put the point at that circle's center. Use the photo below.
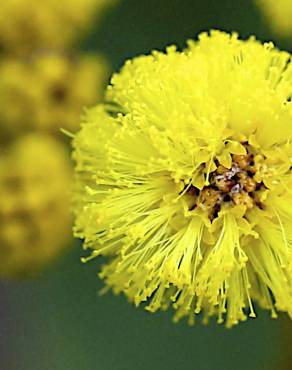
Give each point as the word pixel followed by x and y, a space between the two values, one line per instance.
pixel 278 15
pixel 184 179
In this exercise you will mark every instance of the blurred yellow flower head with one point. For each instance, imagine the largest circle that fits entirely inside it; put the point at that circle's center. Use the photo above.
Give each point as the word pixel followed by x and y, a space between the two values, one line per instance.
pixel 35 177
pixel 278 15
pixel 29 24
pixel 184 179
pixel 48 92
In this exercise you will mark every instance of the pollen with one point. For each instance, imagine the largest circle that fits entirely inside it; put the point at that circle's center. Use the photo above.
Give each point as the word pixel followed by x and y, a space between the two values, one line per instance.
pixel 229 186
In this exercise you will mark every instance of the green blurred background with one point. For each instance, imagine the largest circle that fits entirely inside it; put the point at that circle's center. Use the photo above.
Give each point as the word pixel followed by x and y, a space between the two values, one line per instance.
pixel 58 322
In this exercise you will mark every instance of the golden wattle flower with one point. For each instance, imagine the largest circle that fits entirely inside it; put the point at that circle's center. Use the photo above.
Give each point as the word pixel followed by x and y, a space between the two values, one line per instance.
pixel 184 179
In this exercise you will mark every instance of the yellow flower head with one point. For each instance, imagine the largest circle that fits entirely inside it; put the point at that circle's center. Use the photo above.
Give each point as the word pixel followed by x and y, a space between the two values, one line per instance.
pixel 48 91
pixel 278 15
pixel 35 175
pixel 184 179
pixel 29 24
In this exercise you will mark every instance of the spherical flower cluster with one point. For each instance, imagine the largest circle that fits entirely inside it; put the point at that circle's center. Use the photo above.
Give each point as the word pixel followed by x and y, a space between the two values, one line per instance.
pixel 35 176
pixel 278 15
pixel 184 179
pixel 47 92
pixel 26 25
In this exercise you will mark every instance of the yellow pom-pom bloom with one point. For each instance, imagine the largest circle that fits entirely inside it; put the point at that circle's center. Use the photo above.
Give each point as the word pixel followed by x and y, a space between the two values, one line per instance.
pixel 35 176
pixel 29 24
pixel 278 14
pixel 184 179
pixel 49 91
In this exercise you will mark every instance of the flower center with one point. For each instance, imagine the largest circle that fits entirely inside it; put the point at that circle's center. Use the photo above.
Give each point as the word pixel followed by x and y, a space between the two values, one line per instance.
pixel 230 186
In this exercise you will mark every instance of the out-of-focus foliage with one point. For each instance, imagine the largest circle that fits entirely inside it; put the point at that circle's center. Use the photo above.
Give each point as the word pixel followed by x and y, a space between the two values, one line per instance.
pixel 35 177
pixel 278 14
pixel 44 86
pixel 29 24
pixel 47 92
